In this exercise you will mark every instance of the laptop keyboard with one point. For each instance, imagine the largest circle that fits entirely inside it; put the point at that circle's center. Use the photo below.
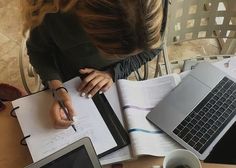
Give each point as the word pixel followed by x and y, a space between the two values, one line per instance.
pixel 210 116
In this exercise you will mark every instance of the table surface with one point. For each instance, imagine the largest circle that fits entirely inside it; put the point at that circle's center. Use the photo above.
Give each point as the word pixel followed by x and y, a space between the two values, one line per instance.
pixel 15 155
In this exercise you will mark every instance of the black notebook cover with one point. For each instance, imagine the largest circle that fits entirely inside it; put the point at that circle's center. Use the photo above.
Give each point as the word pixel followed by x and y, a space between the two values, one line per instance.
pixel 113 123
pixel 118 132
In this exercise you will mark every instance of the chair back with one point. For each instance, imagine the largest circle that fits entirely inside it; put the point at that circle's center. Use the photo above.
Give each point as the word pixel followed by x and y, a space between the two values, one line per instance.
pixel 30 79
pixel 201 19
pixel 197 19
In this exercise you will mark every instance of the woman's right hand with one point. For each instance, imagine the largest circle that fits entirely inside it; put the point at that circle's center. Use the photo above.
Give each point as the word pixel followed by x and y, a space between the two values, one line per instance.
pixel 57 114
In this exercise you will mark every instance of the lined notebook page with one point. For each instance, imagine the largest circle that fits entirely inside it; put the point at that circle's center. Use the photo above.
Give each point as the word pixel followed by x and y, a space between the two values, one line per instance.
pixel 34 118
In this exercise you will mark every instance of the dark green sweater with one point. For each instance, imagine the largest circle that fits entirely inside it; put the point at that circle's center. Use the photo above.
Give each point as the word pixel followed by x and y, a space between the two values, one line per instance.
pixel 59 47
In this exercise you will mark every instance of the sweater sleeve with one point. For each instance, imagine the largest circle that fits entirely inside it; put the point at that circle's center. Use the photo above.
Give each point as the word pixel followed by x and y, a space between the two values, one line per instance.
pixel 40 50
pixel 124 68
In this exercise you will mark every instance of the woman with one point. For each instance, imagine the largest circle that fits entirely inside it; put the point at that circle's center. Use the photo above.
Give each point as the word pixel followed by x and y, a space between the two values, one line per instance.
pixel 104 40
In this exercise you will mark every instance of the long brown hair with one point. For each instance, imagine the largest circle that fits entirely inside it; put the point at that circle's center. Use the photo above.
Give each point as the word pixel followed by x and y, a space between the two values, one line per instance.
pixel 116 27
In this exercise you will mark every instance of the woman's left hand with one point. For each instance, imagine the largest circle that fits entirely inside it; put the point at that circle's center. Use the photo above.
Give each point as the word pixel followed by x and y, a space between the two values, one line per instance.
pixel 94 81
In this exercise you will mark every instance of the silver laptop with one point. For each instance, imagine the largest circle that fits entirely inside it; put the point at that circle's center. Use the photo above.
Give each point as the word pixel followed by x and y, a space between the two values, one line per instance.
pixel 199 111
pixel 78 154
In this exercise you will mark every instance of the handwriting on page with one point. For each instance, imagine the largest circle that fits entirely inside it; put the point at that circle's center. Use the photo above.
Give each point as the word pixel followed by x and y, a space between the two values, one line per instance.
pixel 66 137
pixel 44 140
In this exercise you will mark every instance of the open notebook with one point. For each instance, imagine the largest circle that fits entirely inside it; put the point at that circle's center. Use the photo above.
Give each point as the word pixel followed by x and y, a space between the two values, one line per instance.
pixel 136 98
pixel 97 122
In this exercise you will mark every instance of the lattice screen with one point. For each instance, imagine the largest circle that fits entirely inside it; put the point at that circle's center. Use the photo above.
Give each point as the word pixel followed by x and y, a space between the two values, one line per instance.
pixel 196 19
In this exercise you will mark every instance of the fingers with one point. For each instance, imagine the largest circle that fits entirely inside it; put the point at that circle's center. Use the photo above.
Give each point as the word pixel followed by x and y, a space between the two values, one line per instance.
pixel 69 108
pixel 95 86
pixel 86 80
pixel 58 116
pixel 67 102
pixel 106 87
pixel 95 81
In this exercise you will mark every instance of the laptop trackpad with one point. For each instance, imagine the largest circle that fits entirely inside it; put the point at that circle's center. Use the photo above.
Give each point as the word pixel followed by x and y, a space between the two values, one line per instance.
pixel 189 93
pixel 178 103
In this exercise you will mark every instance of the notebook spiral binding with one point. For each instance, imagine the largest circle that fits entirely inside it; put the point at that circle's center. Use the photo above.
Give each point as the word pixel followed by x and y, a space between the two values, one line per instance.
pixel 23 142
pixel 13 114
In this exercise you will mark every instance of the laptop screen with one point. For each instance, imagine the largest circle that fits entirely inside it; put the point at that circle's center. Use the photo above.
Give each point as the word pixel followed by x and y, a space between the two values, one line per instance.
pixel 72 159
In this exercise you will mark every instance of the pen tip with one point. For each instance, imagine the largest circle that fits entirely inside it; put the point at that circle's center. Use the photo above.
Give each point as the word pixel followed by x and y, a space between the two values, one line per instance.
pixel 73 126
